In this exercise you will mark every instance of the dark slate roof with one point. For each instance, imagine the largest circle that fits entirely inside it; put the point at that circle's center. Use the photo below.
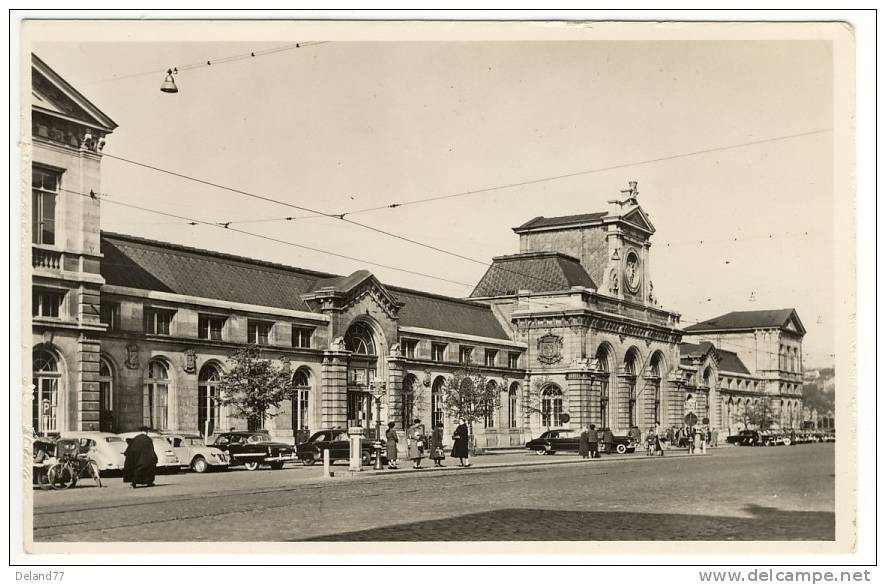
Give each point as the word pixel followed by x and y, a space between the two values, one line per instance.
pixel 729 360
pixel 160 266
pixel 563 220
pixel 534 271
pixel 777 318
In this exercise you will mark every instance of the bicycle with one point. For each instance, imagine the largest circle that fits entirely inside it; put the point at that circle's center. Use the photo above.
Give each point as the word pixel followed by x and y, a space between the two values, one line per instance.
pixel 70 467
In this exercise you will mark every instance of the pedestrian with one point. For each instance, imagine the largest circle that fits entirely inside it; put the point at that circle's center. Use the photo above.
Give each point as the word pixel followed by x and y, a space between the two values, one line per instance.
pixel 391 441
pixel 416 442
pixel 607 440
pixel 593 441
pixel 650 442
pixel 460 444
pixel 670 437
pixel 436 445
pixel 584 444
pixel 659 447
pixel 715 437
pixel 140 463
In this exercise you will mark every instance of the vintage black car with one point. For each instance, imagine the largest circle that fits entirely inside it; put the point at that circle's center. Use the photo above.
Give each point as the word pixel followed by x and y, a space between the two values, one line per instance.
pixel 254 448
pixel 336 440
pixel 753 438
pixel 567 440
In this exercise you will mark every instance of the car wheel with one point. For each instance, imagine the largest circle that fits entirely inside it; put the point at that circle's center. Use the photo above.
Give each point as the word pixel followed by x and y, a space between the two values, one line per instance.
pixel 199 465
pixel 276 465
pixel 621 449
pixel 541 451
pixel 308 460
pixel 251 465
pixel 366 458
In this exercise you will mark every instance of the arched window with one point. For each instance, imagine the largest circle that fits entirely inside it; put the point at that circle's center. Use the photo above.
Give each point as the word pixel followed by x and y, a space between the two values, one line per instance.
pixel 602 378
pixel 489 405
pixel 407 406
pixel 46 379
pixel 105 397
pixel 512 405
pixel 301 382
pixel 630 380
pixel 208 407
pixel 437 401
pixel 155 405
pixel 359 340
pixel 551 406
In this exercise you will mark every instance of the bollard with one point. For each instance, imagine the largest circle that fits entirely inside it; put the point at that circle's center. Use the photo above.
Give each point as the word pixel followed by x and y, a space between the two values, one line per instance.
pixel 378 465
pixel 355 434
pixel 326 464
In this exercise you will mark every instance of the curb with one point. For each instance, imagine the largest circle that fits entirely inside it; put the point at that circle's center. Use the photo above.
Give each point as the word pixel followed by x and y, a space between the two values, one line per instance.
pixel 529 464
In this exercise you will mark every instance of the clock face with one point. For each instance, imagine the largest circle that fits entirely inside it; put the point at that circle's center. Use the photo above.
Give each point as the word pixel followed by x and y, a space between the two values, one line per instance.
pixel 632 271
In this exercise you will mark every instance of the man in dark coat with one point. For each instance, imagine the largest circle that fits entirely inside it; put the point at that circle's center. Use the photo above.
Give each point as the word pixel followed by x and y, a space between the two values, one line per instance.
pixel 584 445
pixel 592 442
pixel 140 465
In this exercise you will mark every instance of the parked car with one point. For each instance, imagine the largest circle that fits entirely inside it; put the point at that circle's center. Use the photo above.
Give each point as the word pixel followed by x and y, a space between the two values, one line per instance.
pixel 167 460
pixel 567 440
pixel 253 449
pixel 336 440
pixel 194 453
pixel 106 449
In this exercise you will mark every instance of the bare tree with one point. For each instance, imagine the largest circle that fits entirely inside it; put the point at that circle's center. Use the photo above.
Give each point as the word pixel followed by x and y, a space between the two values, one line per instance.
pixel 467 395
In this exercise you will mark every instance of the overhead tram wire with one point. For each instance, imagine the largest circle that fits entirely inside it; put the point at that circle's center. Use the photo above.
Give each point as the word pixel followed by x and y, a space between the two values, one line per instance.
pixel 342 216
pixel 219 61
pixel 264 237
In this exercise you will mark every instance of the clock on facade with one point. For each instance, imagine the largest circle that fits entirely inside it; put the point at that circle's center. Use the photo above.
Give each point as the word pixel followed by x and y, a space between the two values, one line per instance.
pixel 632 271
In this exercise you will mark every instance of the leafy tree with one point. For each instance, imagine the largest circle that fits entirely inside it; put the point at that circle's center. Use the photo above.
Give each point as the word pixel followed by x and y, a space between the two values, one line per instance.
pixel 467 395
pixel 760 415
pixel 254 386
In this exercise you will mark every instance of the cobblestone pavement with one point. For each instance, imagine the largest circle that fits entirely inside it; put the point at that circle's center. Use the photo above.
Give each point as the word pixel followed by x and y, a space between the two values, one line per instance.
pixel 741 493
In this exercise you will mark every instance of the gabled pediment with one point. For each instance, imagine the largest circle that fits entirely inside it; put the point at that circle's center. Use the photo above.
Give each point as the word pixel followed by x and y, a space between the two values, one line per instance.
pixel 794 324
pixel 342 292
pixel 52 95
pixel 638 218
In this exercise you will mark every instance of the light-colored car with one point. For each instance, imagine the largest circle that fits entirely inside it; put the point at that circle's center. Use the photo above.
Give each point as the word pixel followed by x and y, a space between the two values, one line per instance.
pixel 192 452
pixel 167 460
pixel 106 449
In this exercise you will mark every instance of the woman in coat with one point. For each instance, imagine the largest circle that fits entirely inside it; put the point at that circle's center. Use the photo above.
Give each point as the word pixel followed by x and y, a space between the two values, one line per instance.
pixel 460 444
pixel 584 444
pixel 416 443
pixel 140 463
pixel 435 448
pixel 391 445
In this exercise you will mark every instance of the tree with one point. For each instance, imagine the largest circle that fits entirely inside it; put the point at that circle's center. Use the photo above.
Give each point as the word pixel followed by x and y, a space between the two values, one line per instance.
pixel 253 386
pixel 760 415
pixel 467 395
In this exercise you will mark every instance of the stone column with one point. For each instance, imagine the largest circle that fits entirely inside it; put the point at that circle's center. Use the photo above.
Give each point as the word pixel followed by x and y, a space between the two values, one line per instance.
pixel 88 349
pixel 395 389
pixel 579 382
pixel 334 385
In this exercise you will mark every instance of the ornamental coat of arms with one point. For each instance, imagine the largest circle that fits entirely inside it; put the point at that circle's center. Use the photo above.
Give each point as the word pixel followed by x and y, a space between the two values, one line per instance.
pixel 550 347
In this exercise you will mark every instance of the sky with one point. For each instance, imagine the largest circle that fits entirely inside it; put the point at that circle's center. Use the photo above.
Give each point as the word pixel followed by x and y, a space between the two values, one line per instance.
pixel 343 126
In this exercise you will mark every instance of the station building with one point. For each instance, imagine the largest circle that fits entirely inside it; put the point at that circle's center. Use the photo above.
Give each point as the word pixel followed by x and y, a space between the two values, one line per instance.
pixel 128 331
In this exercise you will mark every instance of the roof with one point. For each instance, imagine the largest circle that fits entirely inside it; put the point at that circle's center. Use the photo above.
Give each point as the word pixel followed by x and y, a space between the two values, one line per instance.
pixel 533 271
pixel 135 262
pixel 786 319
pixel 563 220
pixel 728 360
pixel 62 98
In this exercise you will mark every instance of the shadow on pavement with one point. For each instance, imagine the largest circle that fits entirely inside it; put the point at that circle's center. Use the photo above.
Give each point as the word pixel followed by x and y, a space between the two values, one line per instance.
pixel 513 524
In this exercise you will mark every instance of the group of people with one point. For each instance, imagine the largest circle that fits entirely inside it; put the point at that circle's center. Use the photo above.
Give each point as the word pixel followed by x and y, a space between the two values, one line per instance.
pixel 420 445
pixel 695 438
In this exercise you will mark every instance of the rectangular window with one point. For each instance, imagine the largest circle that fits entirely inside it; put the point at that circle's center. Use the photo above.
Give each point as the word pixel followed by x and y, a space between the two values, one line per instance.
pixel 408 347
pixel 301 336
pixel 43 197
pixel 46 303
pixel 210 327
pixel 513 359
pixel 491 354
pixel 258 332
pixel 157 321
pixel 438 352
pixel 110 315
pixel 464 354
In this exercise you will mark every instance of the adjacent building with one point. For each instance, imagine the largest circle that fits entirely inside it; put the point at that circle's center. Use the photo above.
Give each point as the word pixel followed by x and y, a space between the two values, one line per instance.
pixel 129 331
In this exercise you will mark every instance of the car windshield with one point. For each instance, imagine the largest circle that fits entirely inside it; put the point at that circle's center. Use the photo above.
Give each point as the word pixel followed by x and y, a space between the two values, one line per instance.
pixel 259 437
pixel 317 437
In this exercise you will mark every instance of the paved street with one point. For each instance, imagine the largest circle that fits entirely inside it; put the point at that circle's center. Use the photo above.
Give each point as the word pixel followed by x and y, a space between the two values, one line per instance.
pixel 735 493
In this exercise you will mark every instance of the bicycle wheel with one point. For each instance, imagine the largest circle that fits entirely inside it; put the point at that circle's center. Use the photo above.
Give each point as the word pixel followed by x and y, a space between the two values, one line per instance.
pixel 94 472
pixel 62 476
pixel 43 479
